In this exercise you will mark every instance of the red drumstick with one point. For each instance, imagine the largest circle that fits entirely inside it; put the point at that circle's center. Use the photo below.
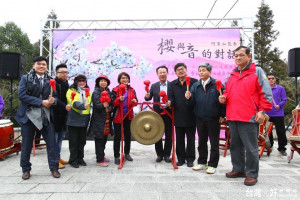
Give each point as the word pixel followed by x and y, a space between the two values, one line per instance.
pixel 102 99
pixel 73 94
pixel 122 89
pixel 164 96
pixel 188 82
pixel 147 83
pixel 53 86
pixel 104 93
pixel 219 86
pixel 87 92
pixel 105 97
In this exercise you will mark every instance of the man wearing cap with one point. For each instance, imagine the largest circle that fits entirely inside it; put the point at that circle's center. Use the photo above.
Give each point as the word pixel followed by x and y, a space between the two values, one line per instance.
pixel 61 108
pixel 35 112
pixel 162 84
pixel 204 96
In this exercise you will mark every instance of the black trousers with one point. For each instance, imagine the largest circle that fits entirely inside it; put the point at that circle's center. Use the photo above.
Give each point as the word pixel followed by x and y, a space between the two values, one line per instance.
pixel 209 129
pixel 166 151
pixel 187 153
pixel 38 135
pixel 117 137
pixel 100 147
pixel 28 130
pixel 280 131
pixel 77 141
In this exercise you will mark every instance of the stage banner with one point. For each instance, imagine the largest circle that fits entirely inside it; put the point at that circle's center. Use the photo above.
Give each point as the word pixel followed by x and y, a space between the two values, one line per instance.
pixel 140 52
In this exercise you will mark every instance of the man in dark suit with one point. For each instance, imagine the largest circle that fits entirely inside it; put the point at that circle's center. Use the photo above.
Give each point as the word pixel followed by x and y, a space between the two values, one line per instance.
pixel 162 84
pixel 185 120
pixel 61 109
pixel 35 112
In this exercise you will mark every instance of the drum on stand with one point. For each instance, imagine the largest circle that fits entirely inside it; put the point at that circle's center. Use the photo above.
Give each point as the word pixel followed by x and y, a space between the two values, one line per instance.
pixel 6 135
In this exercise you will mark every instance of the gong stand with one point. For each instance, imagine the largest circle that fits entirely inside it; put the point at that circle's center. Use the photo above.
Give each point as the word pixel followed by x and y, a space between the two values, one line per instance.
pixel 122 158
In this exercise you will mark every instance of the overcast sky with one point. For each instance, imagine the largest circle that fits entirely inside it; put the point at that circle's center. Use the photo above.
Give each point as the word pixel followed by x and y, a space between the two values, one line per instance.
pixel 27 14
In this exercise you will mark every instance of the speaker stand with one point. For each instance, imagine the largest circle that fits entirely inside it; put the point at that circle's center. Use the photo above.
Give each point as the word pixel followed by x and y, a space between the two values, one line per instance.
pixel 11 99
pixel 296 98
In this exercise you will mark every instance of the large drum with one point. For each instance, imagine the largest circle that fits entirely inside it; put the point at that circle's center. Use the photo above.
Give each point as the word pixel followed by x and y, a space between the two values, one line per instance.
pixel 6 134
pixel 295 133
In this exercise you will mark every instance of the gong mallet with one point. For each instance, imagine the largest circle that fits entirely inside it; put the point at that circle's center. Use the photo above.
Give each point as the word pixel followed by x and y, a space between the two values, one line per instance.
pixel 164 96
pixel 188 82
pixel 53 86
pixel 219 86
pixel 73 94
pixel 147 83
pixel 87 93
pixel 104 98
pixel 122 89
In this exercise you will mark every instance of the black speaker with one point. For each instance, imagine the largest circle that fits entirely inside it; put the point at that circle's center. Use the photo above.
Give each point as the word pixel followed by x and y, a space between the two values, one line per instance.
pixel 294 62
pixel 11 65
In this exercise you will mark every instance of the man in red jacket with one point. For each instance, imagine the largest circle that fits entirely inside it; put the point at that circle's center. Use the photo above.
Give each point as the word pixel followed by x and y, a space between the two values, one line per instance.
pixel 247 97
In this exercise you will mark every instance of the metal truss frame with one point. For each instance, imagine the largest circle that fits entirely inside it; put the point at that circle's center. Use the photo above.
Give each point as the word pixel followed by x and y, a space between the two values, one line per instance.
pixel 246 26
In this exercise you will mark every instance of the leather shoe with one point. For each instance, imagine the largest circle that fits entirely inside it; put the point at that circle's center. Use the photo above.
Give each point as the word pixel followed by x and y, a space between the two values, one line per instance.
pixel 26 175
pixel 283 153
pixel 117 161
pixel 75 165
pixel 128 157
pixel 190 164
pixel 179 163
pixel 250 181
pixel 55 173
pixel 82 163
pixel 167 159
pixel 159 158
pixel 233 174
pixel 60 165
pixel 64 162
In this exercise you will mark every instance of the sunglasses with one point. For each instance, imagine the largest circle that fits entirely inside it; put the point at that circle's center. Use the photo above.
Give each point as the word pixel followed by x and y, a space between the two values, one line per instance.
pixel 271 78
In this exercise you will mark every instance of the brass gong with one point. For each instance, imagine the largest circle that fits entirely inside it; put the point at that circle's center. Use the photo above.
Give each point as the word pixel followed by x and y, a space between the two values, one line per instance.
pixel 147 127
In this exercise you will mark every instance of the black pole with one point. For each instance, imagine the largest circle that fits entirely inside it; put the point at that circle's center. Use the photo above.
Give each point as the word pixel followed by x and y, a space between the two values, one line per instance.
pixel 296 95
pixel 11 98
pixel 296 98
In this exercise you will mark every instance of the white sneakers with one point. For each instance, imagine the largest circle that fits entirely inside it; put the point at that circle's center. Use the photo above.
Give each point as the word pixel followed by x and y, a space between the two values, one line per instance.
pixel 209 170
pixel 199 167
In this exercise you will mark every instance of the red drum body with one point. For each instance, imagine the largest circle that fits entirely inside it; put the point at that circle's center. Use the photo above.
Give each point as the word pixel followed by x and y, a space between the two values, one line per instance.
pixel 6 134
pixel 295 134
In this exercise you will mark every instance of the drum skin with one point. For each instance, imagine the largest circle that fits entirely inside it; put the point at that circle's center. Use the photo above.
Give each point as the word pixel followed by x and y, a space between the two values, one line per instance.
pixel 296 123
pixel 6 135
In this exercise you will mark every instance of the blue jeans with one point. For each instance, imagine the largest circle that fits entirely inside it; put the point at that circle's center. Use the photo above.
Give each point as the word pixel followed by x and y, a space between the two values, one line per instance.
pixel 59 137
pixel 28 131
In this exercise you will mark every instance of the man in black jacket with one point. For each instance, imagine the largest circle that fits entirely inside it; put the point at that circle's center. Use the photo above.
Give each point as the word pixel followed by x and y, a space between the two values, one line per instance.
pixel 61 108
pixel 185 121
pixel 162 84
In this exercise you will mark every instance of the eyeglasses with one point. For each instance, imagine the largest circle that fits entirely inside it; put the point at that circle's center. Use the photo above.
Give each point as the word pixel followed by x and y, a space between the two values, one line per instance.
pixel 63 72
pixel 180 69
pixel 271 78
pixel 239 55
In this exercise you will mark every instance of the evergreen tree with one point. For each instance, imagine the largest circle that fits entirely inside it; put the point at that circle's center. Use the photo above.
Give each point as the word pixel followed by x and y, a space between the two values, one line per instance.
pixel 52 15
pixel 268 57
pixel 12 39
